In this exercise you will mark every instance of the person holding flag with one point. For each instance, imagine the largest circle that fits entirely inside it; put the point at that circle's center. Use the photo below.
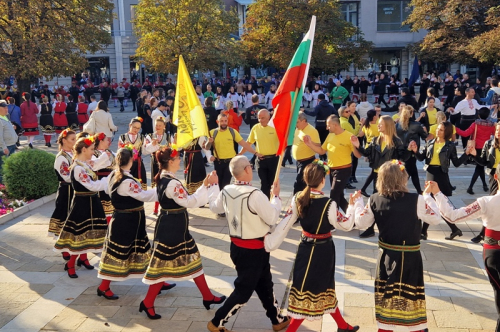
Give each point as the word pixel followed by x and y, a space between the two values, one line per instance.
pixel 286 105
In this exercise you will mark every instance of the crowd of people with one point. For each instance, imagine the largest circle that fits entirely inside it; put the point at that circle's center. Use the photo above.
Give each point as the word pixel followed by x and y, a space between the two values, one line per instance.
pixel 101 195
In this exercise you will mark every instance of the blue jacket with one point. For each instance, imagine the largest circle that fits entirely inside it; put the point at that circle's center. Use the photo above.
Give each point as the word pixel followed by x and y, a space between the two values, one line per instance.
pixel 14 113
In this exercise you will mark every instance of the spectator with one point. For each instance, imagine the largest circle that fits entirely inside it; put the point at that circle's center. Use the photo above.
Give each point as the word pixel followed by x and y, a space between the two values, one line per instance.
pixel 103 120
pixel 15 116
pixel 8 135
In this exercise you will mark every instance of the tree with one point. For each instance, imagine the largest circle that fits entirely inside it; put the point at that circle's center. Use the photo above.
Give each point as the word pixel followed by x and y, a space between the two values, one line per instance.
pixel 274 29
pixel 50 38
pixel 463 31
pixel 199 30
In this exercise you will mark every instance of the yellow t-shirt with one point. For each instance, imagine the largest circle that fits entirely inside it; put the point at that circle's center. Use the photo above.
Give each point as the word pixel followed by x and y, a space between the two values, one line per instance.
pixel 370 132
pixel 432 116
pixel 435 155
pixel 223 144
pixel 396 117
pixel 497 159
pixel 300 150
pixel 339 149
pixel 266 139
pixel 344 124
pixel 433 129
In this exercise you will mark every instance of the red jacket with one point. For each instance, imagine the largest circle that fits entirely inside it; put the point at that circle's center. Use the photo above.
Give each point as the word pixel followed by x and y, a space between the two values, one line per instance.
pixel 234 120
pixel 485 129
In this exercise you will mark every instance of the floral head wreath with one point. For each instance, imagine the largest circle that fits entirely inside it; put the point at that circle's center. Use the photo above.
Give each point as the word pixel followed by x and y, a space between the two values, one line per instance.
pixel 132 149
pixel 24 94
pixel 322 164
pixel 89 141
pixel 65 132
pixel 160 118
pixel 138 118
pixel 101 136
pixel 42 96
pixel 398 162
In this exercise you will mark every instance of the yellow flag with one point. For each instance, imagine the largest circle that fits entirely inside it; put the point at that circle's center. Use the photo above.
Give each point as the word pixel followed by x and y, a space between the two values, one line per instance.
pixel 189 116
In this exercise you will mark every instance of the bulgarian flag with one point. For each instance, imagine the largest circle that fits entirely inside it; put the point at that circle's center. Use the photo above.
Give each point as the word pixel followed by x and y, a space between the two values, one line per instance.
pixel 286 102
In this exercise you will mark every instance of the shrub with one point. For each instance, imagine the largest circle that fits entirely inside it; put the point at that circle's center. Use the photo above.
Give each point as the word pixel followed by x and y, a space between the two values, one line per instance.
pixel 29 174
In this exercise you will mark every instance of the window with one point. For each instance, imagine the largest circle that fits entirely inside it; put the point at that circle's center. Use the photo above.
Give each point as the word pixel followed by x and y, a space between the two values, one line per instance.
pixel 350 12
pixel 392 14
pixel 132 15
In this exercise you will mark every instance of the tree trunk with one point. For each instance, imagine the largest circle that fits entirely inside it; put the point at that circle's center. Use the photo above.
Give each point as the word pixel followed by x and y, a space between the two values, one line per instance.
pixel 23 85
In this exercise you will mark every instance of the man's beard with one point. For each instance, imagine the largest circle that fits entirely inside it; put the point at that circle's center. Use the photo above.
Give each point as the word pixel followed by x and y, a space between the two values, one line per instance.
pixel 223 127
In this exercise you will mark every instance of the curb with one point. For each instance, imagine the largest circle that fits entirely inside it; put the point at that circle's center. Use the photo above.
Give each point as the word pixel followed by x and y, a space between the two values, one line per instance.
pixel 27 208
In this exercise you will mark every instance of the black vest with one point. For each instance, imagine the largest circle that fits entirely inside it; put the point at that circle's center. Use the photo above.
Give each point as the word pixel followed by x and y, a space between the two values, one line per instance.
pixel 122 202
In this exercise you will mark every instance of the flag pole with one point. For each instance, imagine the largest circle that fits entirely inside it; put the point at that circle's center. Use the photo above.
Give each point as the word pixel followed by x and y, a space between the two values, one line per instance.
pixel 278 170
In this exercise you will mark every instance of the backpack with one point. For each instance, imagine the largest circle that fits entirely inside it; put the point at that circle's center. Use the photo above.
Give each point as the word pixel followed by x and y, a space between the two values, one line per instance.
pixel 216 131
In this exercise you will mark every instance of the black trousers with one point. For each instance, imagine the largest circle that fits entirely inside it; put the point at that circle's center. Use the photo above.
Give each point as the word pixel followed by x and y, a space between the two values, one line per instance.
pixel 371 177
pixel 478 172
pixel 382 100
pixel 339 179
pixel 287 156
pixel 266 168
pixel 435 173
pixel 254 274
pixel 411 169
pixel 492 265
pixel 299 184
pixel 223 173
pixel 465 122
pixel 354 163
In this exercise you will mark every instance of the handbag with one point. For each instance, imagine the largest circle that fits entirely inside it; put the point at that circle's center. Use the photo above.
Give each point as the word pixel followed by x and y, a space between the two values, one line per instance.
pixel 89 126
pixel 471 143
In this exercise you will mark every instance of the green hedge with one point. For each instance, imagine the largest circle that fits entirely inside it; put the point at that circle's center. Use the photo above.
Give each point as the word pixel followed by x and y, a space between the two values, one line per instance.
pixel 29 174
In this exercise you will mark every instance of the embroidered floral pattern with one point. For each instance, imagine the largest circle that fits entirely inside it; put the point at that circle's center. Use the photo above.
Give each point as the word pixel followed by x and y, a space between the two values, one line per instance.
pixel 83 177
pixel 180 192
pixel 341 217
pixel 64 169
pixel 472 208
pixel 134 187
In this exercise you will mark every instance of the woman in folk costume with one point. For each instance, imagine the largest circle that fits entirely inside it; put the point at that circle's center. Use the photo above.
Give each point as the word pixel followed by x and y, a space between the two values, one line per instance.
pixel 487 208
pixel 139 142
pixel 102 151
pixel 82 109
pixel 85 227
pixel 64 159
pixel 194 164
pixel 175 254
pixel 71 114
pixel 313 290
pixel 155 141
pixel 127 251
pixel 46 120
pixel 399 280
pixel 29 121
pixel 60 121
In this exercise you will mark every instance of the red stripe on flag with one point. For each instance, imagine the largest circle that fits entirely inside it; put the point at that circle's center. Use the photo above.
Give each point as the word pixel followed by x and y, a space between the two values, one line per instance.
pixel 282 103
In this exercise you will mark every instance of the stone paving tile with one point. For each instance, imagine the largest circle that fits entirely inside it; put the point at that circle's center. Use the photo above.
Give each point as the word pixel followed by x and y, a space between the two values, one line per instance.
pixel 456 319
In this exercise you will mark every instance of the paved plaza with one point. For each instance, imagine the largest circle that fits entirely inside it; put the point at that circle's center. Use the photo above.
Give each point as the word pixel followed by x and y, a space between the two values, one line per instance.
pixel 37 295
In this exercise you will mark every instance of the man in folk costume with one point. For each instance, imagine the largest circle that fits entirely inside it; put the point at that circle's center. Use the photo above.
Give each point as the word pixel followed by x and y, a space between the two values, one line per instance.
pixel 250 216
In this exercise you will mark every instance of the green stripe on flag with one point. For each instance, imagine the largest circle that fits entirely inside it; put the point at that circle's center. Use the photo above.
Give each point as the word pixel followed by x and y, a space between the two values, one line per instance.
pixel 301 55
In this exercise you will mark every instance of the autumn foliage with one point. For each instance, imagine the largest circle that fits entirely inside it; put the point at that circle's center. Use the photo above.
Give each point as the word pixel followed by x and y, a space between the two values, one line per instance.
pixel 50 38
pixel 200 31
pixel 462 31
pixel 274 29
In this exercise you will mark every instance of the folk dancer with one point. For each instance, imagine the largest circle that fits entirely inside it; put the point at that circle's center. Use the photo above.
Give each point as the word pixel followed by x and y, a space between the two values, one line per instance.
pixel 250 216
